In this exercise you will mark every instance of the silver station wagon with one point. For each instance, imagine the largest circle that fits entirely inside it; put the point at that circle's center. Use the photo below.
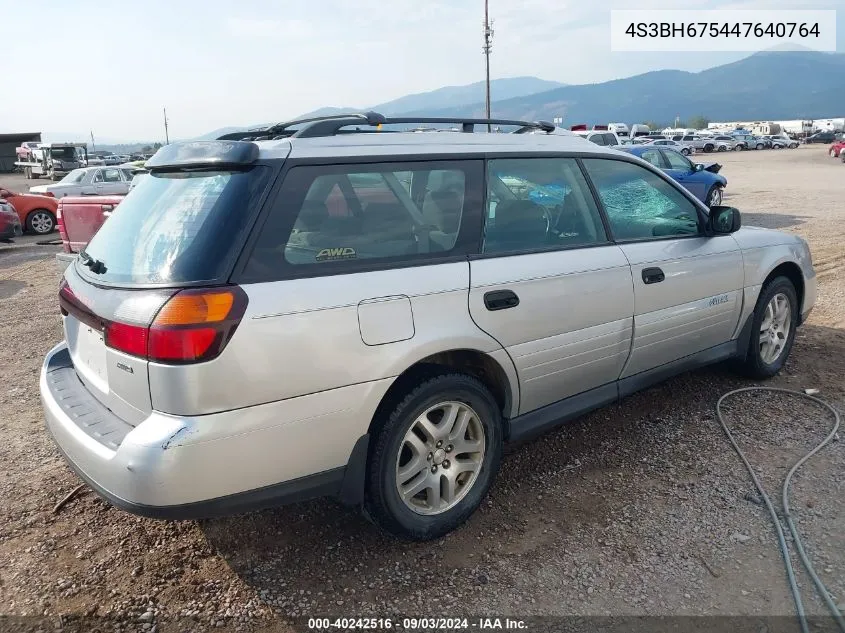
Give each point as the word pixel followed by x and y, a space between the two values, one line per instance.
pixel 327 307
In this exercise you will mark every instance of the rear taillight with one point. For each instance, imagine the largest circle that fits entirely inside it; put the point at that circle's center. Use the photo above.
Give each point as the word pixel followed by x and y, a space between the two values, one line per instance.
pixel 60 224
pixel 192 326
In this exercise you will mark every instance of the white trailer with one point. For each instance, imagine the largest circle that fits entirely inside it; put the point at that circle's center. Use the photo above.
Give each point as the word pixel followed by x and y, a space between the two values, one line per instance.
pixel 55 160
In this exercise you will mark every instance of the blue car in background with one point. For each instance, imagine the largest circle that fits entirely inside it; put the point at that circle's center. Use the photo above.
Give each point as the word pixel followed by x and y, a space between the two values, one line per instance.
pixel 703 181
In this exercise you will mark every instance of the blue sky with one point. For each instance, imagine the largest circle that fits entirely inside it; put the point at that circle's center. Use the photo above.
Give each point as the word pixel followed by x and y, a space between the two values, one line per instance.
pixel 111 67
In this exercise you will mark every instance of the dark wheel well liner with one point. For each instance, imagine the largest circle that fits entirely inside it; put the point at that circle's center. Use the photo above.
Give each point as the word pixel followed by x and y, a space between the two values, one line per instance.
pixel 467 361
pixel 791 271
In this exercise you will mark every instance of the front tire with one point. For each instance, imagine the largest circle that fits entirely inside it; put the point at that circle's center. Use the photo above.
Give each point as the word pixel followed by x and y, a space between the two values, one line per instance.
pixel 760 146
pixel 685 151
pixel 434 458
pixel 709 147
pixel 41 222
pixel 773 329
pixel 832 152
pixel 714 196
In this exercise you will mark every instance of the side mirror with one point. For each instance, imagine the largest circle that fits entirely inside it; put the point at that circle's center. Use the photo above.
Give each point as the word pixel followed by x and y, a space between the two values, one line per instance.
pixel 698 167
pixel 724 220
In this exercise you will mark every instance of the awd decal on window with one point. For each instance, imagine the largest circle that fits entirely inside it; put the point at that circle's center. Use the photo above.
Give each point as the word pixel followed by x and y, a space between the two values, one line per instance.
pixel 334 254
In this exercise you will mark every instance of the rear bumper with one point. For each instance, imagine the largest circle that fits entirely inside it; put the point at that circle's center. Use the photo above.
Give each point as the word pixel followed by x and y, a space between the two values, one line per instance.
pixel 11 230
pixel 172 467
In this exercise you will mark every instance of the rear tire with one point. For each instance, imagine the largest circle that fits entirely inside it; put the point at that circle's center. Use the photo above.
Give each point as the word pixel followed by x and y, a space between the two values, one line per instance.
pixel 762 361
pixel 685 151
pixel 418 489
pixel 760 146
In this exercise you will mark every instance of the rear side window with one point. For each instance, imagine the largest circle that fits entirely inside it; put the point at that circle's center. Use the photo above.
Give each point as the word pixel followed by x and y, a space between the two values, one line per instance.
pixel 177 227
pixel 336 217
pixel 640 204
pixel 111 175
pixel 598 139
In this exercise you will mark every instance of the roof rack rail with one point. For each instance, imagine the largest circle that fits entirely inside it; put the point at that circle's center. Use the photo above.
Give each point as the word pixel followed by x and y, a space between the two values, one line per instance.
pixel 331 125
pixel 282 130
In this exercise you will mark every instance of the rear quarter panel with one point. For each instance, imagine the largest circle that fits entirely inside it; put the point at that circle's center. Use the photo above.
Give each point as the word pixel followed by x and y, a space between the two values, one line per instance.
pixel 26 204
pixel 304 336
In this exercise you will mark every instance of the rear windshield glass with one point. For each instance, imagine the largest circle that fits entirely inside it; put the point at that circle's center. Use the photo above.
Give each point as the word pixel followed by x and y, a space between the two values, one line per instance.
pixel 175 228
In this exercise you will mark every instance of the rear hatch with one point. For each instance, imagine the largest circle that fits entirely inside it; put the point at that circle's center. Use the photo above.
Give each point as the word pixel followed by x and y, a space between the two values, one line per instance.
pixel 151 285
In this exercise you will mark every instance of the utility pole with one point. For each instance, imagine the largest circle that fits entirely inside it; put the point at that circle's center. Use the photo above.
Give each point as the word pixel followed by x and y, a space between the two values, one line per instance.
pixel 166 135
pixel 488 38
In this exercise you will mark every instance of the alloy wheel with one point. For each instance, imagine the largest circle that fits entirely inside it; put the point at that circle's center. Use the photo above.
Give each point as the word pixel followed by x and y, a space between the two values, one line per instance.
pixel 41 222
pixel 440 458
pixel 774 329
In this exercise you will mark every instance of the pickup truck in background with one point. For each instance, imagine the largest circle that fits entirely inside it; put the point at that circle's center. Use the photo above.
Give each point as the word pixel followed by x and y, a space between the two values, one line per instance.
pixel 79 217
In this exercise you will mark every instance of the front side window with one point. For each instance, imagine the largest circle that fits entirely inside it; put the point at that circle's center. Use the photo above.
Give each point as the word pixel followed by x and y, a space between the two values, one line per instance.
pixel 676 160
pixel 537 204
pixel 98 176
pixel 353 213
pixel 639 203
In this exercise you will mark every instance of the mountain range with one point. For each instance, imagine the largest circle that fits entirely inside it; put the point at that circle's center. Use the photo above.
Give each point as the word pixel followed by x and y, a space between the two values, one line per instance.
pixel 764 86
pixel 777 85
pixel 448 96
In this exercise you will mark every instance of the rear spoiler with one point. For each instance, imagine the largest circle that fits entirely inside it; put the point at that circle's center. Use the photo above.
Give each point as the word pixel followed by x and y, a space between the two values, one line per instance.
pixel 203 154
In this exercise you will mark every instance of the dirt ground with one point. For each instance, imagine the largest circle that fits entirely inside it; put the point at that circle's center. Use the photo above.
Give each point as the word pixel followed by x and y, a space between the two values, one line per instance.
pixel 640 508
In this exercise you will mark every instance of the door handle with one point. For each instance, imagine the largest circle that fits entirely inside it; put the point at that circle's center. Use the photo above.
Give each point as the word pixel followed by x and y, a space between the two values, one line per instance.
pixel 500 300
pixel 653 275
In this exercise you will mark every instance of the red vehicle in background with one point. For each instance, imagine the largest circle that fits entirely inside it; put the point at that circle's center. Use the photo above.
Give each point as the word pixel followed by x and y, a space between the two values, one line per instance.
pixel 10 224
pixel 37 213
pixel 836 148
pixel 79 217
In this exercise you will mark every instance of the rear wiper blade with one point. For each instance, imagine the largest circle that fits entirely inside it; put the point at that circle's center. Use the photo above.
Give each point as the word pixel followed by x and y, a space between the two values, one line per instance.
pixel 97 266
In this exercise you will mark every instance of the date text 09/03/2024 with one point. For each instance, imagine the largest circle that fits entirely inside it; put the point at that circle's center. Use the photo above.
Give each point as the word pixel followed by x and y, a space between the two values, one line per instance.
pixel 416 624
